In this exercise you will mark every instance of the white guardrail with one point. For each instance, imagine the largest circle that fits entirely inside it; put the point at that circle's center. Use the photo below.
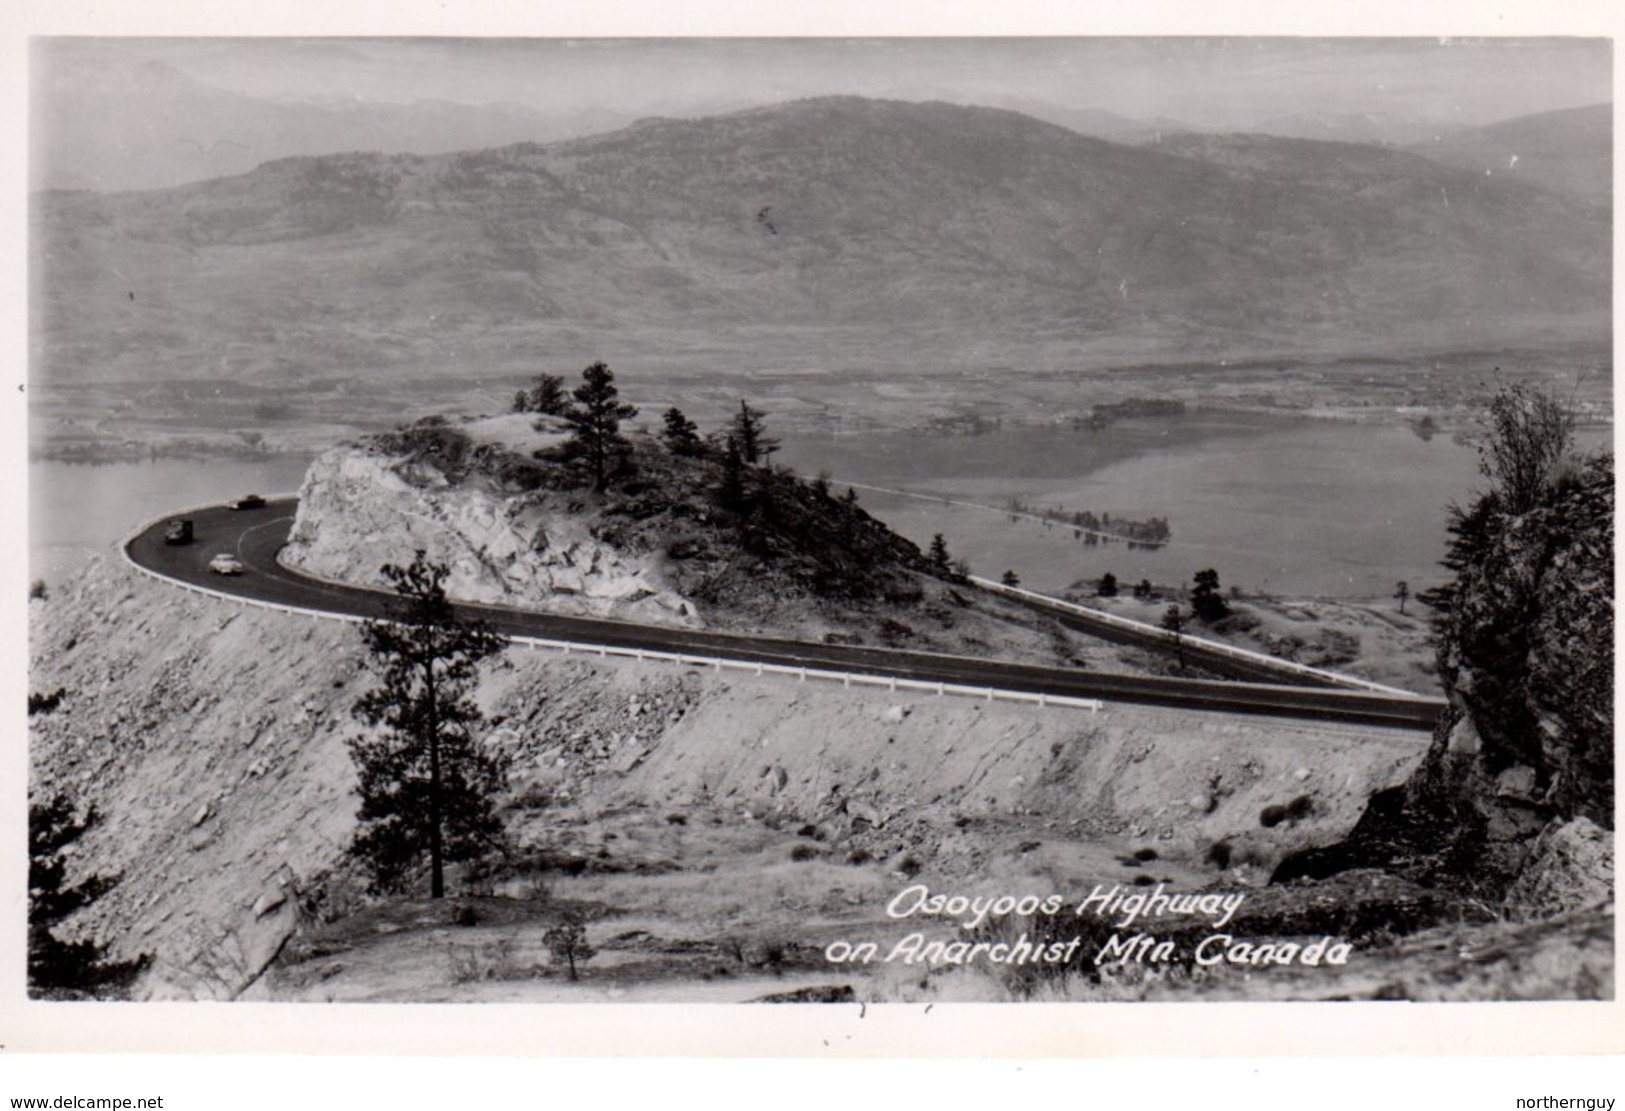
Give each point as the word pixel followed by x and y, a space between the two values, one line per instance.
pixel 642 655
pixel 1207 645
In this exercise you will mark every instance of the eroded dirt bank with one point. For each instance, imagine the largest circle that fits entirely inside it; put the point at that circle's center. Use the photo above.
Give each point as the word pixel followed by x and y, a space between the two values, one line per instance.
pixel 683 808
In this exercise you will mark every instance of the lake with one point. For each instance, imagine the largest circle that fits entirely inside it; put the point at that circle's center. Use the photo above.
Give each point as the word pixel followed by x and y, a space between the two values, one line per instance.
pixel 77 508
pixel 1280 504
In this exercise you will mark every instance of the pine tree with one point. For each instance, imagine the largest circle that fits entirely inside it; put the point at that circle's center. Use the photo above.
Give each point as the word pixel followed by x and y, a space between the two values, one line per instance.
pixel 682 435
pixel 548 396
pixel 732 493
pixel 1530 437
pixel 938 556
pixel 1206 601
pixel 748 430
pixel 56 968
pixel 567 942
pixel 1174 622
pixel 597 415
pixel 426 783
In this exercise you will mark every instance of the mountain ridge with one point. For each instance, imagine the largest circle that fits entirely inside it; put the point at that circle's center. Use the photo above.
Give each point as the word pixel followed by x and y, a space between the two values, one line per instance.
pixel 1568 151
pixel 882 226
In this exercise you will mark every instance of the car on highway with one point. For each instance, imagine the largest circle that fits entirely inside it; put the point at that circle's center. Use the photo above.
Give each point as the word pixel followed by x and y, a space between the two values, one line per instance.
pixel 178 531
pixel 226 564
pixel 248 501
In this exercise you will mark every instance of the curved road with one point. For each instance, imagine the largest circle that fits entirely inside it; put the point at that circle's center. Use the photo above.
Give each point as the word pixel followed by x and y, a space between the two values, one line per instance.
pixel 256 536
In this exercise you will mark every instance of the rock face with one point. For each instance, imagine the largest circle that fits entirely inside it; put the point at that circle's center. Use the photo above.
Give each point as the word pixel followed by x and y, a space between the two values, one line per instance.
pixel 211 738
pixel 362 505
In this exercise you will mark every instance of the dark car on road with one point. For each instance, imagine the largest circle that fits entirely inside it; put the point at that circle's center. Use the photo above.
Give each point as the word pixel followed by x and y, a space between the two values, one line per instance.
pixel 178 532
pixel 248 501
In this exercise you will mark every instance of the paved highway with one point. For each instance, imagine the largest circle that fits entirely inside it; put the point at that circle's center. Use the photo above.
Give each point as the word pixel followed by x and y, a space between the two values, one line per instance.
pixel 256 536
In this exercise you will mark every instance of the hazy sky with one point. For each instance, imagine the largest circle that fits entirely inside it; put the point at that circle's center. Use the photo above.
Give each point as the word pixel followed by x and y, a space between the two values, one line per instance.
pixel 1237 82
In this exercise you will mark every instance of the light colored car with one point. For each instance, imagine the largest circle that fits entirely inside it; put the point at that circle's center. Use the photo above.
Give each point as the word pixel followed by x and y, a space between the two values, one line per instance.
pixel 226 564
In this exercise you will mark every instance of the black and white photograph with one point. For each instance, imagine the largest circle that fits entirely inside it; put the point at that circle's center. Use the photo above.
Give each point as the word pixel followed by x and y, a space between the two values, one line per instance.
pixel 844 523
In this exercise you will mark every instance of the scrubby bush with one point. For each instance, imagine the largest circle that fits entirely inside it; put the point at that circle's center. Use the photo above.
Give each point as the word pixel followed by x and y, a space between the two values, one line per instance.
pixel 45 703
pixel 1274 815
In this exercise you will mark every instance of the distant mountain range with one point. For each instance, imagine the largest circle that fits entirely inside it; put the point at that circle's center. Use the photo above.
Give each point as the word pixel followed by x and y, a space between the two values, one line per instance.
pixel 150 126
pixel 1569 152
pixel 831 229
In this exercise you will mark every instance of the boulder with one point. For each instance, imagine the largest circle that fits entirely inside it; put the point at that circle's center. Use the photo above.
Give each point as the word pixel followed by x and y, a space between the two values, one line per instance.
pixel 1570 867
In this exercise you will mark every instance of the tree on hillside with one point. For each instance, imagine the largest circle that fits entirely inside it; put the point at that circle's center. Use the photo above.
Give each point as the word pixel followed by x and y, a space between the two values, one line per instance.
pixel 682 436
pixel 938 556
pixel 1206 601
pixel 1174 622
pixel 546 396
pixel 1402 592
pixel 597 416
pixel 1528 445
pixel 1531 435
pixel 732 492
pixel 1107 586
pixel 59 969
pixel 567 943
pixel 426 783
pixel 749 431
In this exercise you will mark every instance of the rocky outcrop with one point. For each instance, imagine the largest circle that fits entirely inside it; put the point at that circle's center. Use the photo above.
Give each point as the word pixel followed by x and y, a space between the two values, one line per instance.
pixel 1526 650
pixel 1526 655
pixel 669 539
pixel 364 505
pixel 1514 801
